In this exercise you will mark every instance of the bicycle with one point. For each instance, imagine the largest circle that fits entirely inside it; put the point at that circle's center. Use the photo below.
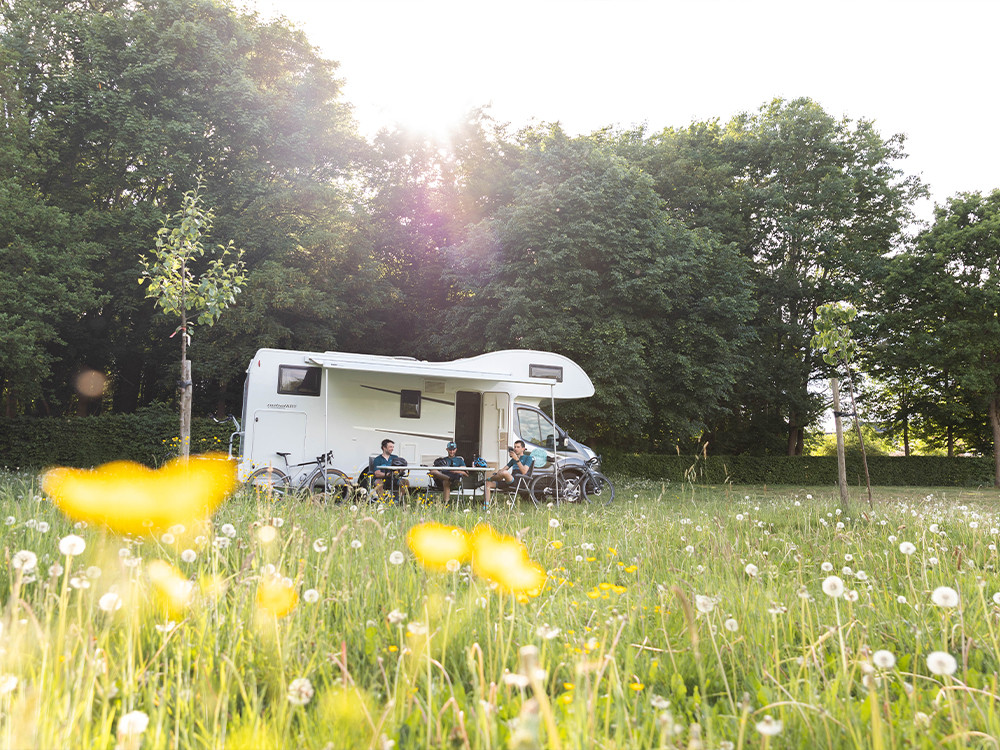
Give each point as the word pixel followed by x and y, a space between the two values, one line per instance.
pixel 321 480
pixel 232 436
pixel 574 484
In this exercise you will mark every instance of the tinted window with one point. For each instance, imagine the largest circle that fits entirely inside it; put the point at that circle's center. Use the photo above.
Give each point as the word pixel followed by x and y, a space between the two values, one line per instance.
pixel 409 404
pixel 299 381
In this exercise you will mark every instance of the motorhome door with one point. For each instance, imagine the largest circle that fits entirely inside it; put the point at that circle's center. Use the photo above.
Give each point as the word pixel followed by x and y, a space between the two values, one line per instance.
pixel 275 431
pixel 468 424
pixel 496 421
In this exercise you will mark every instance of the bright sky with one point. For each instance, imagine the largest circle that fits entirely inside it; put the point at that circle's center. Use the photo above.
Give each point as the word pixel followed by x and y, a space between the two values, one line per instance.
pixel 924 68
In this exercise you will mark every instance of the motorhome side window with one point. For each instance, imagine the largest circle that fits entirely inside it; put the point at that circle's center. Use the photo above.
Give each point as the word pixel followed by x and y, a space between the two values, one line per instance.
pixel 409 404
pixel 299 381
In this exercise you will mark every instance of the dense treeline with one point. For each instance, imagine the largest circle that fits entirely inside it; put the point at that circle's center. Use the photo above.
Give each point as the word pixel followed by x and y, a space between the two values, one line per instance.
pixel 681 268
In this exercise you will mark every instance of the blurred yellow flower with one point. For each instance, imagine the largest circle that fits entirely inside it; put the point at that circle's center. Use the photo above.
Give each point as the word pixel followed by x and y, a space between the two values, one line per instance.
pixel 504 560
pixel 276 598
pixel 172 588
pixel 435 544
pixel 130 498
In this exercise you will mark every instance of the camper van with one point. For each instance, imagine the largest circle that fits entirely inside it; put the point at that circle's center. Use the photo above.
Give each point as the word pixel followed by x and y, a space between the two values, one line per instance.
pixel 301 405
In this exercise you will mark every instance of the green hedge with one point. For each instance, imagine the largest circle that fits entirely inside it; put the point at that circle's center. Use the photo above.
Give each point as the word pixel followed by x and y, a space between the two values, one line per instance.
pixel 149 436
pixel 912 471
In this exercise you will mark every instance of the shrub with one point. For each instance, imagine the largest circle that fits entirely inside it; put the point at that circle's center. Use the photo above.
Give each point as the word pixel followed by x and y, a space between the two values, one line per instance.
pixel 148 436
pixel 912 471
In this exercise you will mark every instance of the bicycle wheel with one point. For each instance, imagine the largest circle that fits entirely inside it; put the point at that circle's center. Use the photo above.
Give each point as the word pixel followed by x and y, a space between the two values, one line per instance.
pixel 597 488
pixel 543 489
pixel 331 483
pixel 268 479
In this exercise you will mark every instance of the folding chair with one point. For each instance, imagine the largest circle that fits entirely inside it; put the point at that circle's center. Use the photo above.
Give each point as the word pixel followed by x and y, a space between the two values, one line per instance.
pixel 523 482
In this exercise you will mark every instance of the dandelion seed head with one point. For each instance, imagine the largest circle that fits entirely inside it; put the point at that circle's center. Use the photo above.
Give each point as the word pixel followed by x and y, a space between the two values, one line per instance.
pixel 833 586
pixel 945 596
pixel 300 691
pixel 72 545
pixel 941 663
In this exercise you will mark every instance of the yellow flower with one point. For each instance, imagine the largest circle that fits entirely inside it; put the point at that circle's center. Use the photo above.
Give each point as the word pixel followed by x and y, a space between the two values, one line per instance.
pixel 172 588
pixel 504 560
pixel 636 686
pixel 435 544
pixel 275 598
pixel 555 544
pixel 133 499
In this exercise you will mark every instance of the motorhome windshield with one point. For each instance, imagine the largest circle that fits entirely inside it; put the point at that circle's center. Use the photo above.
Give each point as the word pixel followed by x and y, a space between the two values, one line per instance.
pixel 535 427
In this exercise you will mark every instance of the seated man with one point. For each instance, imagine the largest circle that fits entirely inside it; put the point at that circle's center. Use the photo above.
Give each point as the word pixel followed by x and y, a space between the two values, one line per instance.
pixel 446 478
pixel 519 465
pixel 394 478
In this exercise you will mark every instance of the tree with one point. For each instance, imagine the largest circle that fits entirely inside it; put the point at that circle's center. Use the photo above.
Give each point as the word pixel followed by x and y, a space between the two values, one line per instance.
pixel 813 202
pixel 949 288
pixel 833 334
pixel 585 261
pixel 122 102
pixel 179 291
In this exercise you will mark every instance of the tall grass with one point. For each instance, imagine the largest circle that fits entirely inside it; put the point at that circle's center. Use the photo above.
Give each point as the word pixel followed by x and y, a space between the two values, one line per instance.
pixel 678 617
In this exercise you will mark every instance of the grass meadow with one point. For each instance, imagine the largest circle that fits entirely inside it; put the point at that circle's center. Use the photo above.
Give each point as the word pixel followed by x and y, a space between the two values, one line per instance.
pixel 678 617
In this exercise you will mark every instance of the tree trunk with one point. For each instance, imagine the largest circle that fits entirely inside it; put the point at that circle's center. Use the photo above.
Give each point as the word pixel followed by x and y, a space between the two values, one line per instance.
pixel 792 433
pixel 186 408
pixel 906 436
pixel 841 458
pixel 995 424
pixel 951 441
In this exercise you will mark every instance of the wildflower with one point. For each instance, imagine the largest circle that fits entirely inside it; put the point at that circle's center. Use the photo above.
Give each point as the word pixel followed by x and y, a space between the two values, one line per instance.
pixel 275 597
pixel 133 723
pixel 769 727
pixel 436 545
pixel 826 567
pixel 553 523
pixel 396 557
pixel 416 628
pixel 833 587
pixel 320 545
pixel 996 598
pixel 25 561
pixel 395 617
pixel 847 571
pixel 504 560
pixel 941 663
pixel 8 683
pixel 267 534
pixel 189 555
pixel 131 498
pixel 355 544
pixel 167 539
pixel 110 602
pixel 310 596
pixel 900 599
pixel 884 659
pixel 777 608
pixel 751 570
pixel 861 575
pixel 300 691
pixel 43 527
pixel 907 548
pixel 731 625
pixel 166 627
pixel 228 530
pixel 173 588
pixel 556 544
pixel 220 542
pixel 636 686
pixel 10 521
pixel 932 561
pixel 945 596
pixel 55 569
pixel 72 545
pixel 453 566
pixel 659 702
pixel 705 604
pixel 546 632
pixel 93 572
pixel 850 596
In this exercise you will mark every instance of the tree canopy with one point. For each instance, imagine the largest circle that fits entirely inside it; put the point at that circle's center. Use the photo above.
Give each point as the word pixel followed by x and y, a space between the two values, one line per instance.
pixel 681 268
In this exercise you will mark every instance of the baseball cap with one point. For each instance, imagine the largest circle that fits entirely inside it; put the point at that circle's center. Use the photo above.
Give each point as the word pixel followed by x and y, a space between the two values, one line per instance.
pixel 451 446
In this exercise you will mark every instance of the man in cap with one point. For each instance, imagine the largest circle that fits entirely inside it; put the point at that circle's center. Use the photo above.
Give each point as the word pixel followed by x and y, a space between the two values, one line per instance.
pixel 446 478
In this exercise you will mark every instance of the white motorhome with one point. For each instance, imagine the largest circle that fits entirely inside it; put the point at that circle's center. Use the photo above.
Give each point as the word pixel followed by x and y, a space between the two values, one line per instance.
pixel 305 404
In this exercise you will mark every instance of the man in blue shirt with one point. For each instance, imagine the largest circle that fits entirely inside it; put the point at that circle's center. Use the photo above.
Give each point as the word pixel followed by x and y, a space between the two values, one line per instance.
pixel 519 465
pixel 446 478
